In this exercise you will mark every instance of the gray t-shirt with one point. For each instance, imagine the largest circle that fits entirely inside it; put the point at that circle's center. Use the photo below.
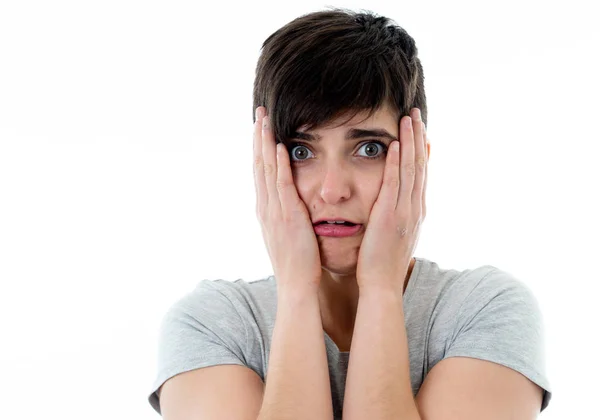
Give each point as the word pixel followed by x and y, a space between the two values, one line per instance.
pixel 483 313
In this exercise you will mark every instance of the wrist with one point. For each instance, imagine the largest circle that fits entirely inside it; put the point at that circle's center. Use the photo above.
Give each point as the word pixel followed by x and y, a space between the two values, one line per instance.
pixel 292 292
pixel 381 292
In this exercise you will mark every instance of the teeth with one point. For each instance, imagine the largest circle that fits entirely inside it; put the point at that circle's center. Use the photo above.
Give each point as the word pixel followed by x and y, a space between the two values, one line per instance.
pixel 339 223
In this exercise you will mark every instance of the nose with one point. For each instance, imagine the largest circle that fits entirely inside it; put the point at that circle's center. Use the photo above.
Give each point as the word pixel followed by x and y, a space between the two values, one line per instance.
pixel 336 184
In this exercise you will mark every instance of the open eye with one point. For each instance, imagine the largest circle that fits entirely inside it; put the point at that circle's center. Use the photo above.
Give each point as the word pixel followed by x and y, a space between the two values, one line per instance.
pixel 371 149
pixel 300 152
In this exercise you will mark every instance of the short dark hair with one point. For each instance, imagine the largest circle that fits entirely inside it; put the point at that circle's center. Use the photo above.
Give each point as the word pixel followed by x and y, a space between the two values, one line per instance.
pixel 324 64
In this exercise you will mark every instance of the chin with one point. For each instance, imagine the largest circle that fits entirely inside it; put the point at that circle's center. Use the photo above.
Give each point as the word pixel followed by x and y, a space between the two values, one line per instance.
pixel 340 265
pixel 341 246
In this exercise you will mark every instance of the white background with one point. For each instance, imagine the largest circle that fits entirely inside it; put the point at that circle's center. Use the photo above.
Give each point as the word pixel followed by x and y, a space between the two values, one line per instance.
pixel 126 178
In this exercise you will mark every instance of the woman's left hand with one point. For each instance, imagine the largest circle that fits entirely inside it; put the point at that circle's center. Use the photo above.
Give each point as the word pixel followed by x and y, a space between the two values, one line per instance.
pixel 393 229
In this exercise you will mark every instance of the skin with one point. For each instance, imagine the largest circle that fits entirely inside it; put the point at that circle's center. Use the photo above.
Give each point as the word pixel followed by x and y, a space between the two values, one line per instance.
pixel 334 177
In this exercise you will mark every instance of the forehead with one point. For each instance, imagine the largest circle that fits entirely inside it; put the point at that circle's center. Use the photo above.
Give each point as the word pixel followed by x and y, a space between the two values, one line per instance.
pixel 384 116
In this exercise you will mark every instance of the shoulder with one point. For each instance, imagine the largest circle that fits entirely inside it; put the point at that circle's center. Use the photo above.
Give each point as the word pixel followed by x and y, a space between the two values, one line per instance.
pixel 485 284
pixel 497 317
pixel 218 295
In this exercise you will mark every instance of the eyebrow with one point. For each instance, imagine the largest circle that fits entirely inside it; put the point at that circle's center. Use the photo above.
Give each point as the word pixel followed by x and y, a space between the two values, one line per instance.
pixel 352 134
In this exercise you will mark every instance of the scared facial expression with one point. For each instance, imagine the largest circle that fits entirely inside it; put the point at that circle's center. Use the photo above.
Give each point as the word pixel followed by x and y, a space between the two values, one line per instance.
pixel 338 172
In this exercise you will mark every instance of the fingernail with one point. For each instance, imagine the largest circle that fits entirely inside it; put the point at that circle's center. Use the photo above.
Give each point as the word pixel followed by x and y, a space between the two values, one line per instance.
pixel 266 121
pixel 258 112
pixel 408 122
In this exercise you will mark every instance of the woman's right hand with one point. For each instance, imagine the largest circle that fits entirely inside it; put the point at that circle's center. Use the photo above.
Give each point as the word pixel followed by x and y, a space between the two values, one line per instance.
pixel 286 225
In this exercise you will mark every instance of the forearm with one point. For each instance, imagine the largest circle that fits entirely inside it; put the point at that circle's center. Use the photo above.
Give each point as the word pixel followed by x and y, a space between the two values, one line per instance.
pixel 297 382
pixel 378 385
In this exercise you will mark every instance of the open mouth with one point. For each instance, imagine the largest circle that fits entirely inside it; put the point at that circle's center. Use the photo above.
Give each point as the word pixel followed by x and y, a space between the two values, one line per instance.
pixel 338 224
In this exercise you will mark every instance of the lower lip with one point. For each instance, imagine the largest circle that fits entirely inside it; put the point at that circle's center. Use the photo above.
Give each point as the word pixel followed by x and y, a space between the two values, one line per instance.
pixel 336 231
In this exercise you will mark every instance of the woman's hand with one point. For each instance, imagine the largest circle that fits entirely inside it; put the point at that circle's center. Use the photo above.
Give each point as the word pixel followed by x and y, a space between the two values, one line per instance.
pixel 393 229
pixel 286 225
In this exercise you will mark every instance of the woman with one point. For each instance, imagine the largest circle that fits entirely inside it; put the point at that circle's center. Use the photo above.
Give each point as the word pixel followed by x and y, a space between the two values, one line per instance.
pixel 350 321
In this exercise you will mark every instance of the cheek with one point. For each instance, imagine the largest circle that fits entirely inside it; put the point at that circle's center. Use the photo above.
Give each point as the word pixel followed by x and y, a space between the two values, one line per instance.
pixel 302 176
pixel 302 184
pixel 369 186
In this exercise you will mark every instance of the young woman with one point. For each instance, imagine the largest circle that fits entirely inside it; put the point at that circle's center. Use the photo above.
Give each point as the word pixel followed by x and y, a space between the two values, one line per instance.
pixel 351 321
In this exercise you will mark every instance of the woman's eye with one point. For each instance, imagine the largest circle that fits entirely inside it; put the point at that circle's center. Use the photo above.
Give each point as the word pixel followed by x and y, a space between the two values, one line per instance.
pixel 300 152
pixel 371 150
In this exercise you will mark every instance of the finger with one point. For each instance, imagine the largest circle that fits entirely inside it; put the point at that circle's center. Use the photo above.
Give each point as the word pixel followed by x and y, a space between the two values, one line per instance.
pixel 407 163
pixel 426 171
pixel 269 157
pixel 417 193
pixel 388 195
pixel 259 174
pixel 288 195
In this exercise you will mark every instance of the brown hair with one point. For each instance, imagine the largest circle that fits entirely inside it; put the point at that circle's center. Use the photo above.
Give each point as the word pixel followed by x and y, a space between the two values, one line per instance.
pixel 325 64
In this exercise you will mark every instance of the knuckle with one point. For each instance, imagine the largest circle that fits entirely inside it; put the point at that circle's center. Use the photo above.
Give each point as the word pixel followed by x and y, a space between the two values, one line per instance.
pixel 268 168
pixel 265 220
pixel 390 217
pixel 409 169
pixel 258 161
pixel 281 185
pixel 293 216
pixel 393 182
pixel 287 218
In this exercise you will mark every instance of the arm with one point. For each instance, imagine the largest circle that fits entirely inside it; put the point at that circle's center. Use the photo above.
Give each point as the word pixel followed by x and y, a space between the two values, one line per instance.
pixel 378 381
pixel 297 382
pixel 378 385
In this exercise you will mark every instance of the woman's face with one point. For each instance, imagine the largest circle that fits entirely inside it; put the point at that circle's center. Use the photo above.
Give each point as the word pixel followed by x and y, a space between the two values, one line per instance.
pixel 340 178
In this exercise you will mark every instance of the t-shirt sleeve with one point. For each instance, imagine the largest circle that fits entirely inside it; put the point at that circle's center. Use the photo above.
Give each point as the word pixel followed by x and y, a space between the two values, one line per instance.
pixel 500 321
pixel 199 330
